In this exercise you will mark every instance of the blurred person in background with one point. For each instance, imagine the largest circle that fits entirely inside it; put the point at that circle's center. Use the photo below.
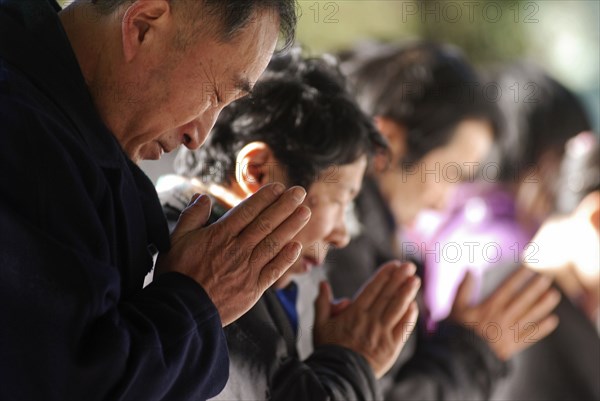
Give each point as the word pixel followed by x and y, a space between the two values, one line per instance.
pixel 566 364
pixel 423 98
pixel 301 126
pixel 568 241
pixel 498 215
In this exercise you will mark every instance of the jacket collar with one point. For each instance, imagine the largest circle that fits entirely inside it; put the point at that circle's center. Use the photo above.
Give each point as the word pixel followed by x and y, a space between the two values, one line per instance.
pixel 40 49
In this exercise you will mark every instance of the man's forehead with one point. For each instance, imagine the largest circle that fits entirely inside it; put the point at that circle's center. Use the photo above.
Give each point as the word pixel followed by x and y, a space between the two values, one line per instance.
pixel 243 59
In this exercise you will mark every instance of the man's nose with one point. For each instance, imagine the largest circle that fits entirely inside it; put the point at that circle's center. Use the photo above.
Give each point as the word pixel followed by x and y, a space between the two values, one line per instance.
pixel 191 138
pixel 198 130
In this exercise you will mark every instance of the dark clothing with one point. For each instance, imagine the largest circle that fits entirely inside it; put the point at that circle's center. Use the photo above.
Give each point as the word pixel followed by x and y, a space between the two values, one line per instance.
pixel 77 218
pixel 265 362
pixel 452 363
pixel 563 366
pixel 262 345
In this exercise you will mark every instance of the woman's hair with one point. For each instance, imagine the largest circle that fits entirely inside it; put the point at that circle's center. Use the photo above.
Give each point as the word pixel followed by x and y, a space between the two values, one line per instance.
pixel 302 110
pixel 539 115
pixel 427 88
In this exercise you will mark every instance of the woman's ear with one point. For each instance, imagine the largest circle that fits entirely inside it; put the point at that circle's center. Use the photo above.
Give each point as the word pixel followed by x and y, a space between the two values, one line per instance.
pixel 256 166
pixel 395 134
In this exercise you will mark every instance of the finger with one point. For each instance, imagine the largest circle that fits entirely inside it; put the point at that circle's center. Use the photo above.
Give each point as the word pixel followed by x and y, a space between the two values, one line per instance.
pixel 464 293
pixel 270 246
pixel 247 211
pixel 323 304
pixel 540 309
pixel 369 292
pixel 193 217
pixel 266 220
pixel 532 333
pixel 526 297
pixel 509 288
pixel 391 290
pixel 277 267
pixel 193 199
pixel 399 304
pixel 407 324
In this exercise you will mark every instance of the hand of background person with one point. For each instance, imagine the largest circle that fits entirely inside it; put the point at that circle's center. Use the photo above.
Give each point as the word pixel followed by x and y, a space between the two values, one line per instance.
pixel 237 258
pixel 567 251
pixel 378 322
pixel 514 317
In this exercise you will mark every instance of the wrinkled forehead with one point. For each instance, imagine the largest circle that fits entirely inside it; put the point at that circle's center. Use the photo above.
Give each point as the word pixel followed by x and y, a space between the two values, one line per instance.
pixel 250 51
pixel 238 63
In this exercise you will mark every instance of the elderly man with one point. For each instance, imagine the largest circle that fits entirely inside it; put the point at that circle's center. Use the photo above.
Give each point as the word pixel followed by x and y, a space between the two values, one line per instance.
pixel 85 93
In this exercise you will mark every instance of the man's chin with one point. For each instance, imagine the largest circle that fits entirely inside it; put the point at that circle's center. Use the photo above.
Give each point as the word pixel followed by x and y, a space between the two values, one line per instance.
pixel 149 156
pixel 148 153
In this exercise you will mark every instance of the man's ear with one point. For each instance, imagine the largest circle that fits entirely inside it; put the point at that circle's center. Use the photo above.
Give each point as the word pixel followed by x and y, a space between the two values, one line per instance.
pixel 143 21
pixel 256 166
pixel 396 136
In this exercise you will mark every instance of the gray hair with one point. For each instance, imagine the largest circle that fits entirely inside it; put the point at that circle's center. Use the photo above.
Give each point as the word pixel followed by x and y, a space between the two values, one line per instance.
pixel 233 15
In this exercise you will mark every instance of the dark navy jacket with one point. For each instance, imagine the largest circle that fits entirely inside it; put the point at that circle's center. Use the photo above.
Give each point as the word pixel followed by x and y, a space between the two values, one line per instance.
pixel 77 218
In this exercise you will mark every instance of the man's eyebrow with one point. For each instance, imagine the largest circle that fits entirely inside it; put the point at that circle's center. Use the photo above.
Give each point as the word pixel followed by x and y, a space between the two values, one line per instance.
pixel 243 85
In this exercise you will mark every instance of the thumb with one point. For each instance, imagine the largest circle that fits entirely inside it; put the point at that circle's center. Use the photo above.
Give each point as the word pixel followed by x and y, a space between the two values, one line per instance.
pixel 193 217
pixel 323 304
pixel 465 292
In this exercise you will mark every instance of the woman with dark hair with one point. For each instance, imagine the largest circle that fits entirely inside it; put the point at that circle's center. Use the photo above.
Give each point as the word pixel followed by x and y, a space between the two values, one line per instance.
pixel 536 125
pixel 430 105
pixel 515 191
pixel 497 217
pixel 300 126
